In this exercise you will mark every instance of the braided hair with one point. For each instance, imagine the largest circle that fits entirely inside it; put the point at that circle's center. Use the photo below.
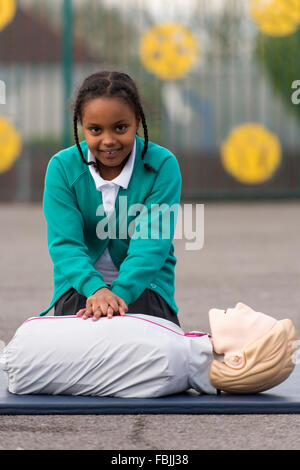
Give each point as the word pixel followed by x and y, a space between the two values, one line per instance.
pixel 109 84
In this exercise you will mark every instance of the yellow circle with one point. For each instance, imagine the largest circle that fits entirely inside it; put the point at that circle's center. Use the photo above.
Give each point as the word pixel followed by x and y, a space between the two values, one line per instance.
pixel 276 17
pixel 10 145
pixel 169 50
pixel 7 12
pixel 251 153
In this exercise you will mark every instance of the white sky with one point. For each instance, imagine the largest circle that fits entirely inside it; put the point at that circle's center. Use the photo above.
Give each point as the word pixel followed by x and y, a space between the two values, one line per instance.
pixel 184 11
pixel 158 8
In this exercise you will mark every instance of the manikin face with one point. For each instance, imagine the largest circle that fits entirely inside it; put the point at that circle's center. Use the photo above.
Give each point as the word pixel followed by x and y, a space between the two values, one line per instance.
pixel 235 328
pixel 109 126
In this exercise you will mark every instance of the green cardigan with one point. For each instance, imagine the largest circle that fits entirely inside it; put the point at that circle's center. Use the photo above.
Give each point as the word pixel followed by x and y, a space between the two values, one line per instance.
pixel 71 203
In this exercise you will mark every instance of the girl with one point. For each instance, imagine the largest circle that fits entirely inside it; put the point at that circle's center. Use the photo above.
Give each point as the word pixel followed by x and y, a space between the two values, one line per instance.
pixel 101 180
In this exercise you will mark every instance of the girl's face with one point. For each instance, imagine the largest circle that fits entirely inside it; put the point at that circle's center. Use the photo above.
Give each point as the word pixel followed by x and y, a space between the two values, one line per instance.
pixel 109 126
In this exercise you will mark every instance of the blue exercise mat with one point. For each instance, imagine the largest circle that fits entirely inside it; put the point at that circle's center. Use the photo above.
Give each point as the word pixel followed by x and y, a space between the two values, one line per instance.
pixel 285 398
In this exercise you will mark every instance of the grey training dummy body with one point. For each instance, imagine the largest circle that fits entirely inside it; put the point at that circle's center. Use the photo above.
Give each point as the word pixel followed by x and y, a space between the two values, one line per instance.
pixel 126 356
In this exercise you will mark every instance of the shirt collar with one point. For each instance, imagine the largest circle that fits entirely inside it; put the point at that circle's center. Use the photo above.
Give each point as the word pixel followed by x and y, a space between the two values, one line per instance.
pixel 122 179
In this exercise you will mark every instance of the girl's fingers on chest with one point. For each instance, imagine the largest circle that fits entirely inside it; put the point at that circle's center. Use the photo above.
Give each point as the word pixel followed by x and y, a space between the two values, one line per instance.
pixel 104 309
pixel 80 312
pixel 122 304
pixel 114 305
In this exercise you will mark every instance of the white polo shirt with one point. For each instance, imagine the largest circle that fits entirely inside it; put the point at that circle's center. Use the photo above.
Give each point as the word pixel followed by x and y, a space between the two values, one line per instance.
pixel 109 190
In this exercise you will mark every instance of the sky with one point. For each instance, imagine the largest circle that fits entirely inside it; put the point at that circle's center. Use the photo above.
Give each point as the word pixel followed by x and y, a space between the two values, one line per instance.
pixel 159 9
pixel 185 11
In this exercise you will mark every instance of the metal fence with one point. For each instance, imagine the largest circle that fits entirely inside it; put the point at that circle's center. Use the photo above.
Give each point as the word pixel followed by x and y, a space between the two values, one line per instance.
pixel 220 80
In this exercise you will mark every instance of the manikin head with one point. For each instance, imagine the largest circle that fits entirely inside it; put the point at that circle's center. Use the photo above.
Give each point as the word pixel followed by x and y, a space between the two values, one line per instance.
pixel 258 349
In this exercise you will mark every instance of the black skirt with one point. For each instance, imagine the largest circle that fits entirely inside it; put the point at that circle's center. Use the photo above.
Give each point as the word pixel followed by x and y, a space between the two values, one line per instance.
pixel 149 303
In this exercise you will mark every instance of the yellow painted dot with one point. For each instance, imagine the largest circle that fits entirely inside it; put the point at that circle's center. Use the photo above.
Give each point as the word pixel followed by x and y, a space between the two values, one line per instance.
pixel 251 153
pixel 169 50
pixel 10 145
pixel 7 12
pixel 276 17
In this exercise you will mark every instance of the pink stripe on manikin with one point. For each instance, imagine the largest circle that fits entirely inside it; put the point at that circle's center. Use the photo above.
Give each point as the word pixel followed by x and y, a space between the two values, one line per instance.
pixel 191 334
pixel 180 334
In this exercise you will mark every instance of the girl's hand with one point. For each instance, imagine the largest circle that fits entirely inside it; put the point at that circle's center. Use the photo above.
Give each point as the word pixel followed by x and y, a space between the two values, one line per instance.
pixel 103 303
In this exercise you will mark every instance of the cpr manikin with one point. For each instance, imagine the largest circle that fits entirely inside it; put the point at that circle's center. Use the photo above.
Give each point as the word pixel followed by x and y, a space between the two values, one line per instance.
pixel 141 356
pixel 255 351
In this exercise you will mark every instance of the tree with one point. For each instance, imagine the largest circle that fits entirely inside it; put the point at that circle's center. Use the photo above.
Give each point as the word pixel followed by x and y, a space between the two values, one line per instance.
pixel 279 57
pixel 108 32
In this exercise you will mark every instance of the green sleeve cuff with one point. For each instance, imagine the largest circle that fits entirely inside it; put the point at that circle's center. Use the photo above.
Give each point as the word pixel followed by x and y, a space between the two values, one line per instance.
pixel 123 293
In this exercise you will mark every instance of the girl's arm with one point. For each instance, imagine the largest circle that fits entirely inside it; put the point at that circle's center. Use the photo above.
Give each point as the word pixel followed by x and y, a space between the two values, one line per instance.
pixel 65 235
pixel 145 257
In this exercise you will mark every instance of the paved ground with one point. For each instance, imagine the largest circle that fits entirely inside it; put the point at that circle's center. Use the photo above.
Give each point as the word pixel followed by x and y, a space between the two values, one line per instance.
pixel 250 254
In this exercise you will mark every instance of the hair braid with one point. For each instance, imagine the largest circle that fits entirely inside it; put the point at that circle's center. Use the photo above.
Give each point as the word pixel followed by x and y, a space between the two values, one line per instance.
pixel 94 164
pixel 76 116
pixel 145 127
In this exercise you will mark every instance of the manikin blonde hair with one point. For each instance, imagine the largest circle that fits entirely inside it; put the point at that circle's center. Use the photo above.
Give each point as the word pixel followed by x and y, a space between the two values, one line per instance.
pixel 268 362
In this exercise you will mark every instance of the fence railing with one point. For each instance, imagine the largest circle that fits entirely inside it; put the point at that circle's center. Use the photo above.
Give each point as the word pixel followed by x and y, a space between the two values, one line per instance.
pixel 220 82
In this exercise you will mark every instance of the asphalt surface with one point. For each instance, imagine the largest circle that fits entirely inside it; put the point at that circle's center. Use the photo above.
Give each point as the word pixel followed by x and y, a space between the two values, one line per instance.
pixel 250 254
